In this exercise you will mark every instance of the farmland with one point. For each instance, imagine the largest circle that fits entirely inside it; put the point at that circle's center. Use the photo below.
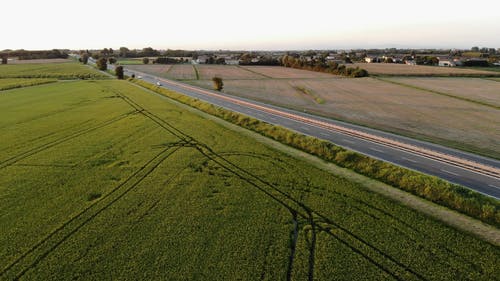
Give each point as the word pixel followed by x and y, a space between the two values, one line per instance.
pixel 421 70
pixel 476 89
pixel 38 61
pixel 11 83
pixel 415 109
pixel 100 179
pixel 68 70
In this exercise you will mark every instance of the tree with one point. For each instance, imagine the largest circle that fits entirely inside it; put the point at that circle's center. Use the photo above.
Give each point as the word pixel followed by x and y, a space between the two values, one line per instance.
pixel 4 59
pixel 85 58
pixel 102 64
pixel 218 84
pixel 119 72
pixel 474 49
pixel 145 60
pixel 123 52
pixel 112 60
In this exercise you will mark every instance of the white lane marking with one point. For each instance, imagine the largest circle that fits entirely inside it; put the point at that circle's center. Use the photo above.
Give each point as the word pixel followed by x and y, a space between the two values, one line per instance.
pixel 455 174
pixel 349 141
pixel 408 159
pixel 378 150
pixel 494 186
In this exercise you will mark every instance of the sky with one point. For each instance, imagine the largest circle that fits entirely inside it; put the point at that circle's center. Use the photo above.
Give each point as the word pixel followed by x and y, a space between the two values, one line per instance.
pixel 248 25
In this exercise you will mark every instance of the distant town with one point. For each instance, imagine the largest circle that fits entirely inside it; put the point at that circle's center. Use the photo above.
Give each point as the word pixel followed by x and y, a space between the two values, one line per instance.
pixel 475 56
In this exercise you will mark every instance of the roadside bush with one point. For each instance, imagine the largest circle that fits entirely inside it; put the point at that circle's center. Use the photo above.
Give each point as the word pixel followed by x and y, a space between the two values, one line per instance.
pixel 119 72
pixel 218 84
pixel 102 64
pixel 145 60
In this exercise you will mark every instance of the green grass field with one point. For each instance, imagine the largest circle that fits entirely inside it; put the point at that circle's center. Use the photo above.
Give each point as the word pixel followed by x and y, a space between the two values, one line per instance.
pixel 68 70
pixel 130 61
pixel 103 180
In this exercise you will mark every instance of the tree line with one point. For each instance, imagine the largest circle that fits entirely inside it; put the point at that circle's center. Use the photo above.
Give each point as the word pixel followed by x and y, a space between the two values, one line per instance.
pixel 31 55
pixel 321 65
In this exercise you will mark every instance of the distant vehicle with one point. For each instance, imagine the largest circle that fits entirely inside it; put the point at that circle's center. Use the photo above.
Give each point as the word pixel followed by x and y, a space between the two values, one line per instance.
pixel 139 77
pixel 158 83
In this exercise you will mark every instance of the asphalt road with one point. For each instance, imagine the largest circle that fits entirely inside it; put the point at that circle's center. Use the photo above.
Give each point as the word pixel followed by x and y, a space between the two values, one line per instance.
pixel 488 185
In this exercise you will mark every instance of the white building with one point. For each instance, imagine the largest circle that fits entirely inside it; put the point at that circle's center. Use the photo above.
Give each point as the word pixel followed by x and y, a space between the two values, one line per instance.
pixel 446 62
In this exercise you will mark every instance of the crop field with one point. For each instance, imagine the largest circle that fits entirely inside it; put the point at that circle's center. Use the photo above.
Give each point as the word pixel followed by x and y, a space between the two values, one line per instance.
pixel 38 61
pixel 386 106
pixel 226 72
pixel 286 73
pixel 12 83
pixel 430 113
pixel 155 69
pixel 130 61
pixel 420 70
pixel 483 90
pixel 68 70
pixel 103 180
pixel 181 72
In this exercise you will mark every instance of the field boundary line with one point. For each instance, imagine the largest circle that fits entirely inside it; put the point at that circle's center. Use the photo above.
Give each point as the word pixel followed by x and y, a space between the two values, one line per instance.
pixel 436 92
pixel 196 72
pixel 255 72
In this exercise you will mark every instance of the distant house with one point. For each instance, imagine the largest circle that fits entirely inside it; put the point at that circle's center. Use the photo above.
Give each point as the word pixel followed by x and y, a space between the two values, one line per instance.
pixel 411 62
pixel 371 59
pixel 232 61
pixel 202 59
pixel 446 62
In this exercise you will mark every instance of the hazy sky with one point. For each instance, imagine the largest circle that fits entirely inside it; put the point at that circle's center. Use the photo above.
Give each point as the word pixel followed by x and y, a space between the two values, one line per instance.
pixel 256 24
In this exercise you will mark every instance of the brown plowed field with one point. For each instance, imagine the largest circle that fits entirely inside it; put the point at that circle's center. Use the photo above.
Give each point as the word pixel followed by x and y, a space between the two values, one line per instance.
pixel 38 61
pixel 207 72
pixel 483 90
pixel 284 72
pixel 385 106
pixel 155 69
pixel 403 69
pixel 181 72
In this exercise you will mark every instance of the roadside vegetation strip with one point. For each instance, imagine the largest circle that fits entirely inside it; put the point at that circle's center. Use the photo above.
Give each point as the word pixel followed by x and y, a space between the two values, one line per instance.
pixel 13 83
pixel 436 92
pixel 432 188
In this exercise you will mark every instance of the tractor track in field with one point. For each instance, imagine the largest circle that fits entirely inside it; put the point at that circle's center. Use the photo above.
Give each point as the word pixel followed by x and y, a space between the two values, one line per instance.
pixel 306 212
pixel 409 232
pixel 12 160
pixel 48 244
pixel 47 114
pixel 293 205
pixel 42 137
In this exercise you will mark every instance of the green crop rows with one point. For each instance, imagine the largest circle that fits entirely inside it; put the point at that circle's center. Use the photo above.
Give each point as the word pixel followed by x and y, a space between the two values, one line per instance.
pixel 68 70
pixel 103 180
pixel 12 83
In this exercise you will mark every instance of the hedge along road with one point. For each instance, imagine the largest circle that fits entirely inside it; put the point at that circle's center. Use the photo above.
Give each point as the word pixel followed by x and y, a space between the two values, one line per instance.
pixel 476 172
